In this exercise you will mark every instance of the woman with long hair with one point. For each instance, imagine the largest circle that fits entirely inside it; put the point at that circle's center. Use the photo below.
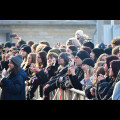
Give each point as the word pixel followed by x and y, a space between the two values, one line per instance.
pixel 13 83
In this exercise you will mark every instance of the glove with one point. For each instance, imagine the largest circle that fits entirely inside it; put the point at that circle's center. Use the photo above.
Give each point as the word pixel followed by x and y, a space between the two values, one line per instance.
pixel 4 73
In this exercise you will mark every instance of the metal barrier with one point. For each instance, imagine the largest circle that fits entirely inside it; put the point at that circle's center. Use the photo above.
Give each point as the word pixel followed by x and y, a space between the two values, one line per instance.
pixel 69 94
pixel 59 94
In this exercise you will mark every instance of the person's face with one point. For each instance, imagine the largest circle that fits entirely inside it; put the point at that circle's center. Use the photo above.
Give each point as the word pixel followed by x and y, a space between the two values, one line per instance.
pixel 103 58
pixel 92 55
pixel 78 36
pixel 11 65
pixel 68 50
pixel 78 61
pixel 24 54
pixel 105 67
pixel 110 72
pixel 29 59
pixel 61 61
pixel 39 60
pixel 85 67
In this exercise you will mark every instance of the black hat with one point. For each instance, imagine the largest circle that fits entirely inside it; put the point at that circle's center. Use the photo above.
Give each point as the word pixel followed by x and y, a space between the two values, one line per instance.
pixel 89 44
pixel 46 49
pixel 74 53
pixel 108 50
pixel 101 45
pixel 27 49
pixel 8 44
pixel 73 48
pixel 97 52
pixel 82 54
pixel 89 61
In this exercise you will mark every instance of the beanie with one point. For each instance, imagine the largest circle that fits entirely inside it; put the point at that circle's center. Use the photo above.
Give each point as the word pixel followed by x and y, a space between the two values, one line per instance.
pixel 108 50
pixel 101 45
pixel 97 52
pixel 82 54
pixel 8 44
pixel 46 49
pixel 80 32
pixel 74 53
pixel 89 44
pixel 56 50
pixel 88 61
pixel 64 56
pixel 73 48
pixel 27 49
pixel 17 60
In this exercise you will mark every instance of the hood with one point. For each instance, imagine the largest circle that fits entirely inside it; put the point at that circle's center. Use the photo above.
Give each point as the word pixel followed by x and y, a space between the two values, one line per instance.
pixel 22 73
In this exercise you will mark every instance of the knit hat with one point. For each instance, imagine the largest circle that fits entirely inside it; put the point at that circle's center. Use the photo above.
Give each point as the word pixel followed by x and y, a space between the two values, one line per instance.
pixel 73 48
pixel 46 49
pixel 89 61
pixel 27 49
pixel 89 44
pixel 65 56
pixel 80 32
pixel 23 45
pixel 8 44
pixel 82 54
pixel 56 50
pixel 101 45
pixel 108 50
pixel 17 60
pixel 97 52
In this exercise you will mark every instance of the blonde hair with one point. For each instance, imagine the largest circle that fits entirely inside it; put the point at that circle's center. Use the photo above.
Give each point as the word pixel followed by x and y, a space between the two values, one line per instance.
pixel 40 47
pixel 89 71
pixel 100 57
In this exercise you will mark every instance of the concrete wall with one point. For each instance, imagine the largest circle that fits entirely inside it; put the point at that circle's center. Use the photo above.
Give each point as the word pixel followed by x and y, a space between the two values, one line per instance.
pixel 51 33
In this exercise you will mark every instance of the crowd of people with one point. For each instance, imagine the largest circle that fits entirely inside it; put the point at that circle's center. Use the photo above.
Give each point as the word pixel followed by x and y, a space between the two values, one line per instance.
pixel 79 64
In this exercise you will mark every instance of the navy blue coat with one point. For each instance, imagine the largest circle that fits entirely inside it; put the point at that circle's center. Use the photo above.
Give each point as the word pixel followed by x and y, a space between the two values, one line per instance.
pixel 13 87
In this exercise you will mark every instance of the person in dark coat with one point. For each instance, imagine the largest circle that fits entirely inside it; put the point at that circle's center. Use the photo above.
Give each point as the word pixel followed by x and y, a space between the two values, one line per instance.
pixel 13 84
pixel 103 86
pixel 76 75
pixel 51 85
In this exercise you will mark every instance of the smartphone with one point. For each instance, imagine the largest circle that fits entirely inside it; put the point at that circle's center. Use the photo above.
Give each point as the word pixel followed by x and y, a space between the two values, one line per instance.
pixel 11 36
pixel 70 42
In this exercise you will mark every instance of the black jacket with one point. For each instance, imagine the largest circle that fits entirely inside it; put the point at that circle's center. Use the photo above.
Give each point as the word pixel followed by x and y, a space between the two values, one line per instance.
pixel 75 80
pixel 102 89
pixel 58 74
pixel 45 77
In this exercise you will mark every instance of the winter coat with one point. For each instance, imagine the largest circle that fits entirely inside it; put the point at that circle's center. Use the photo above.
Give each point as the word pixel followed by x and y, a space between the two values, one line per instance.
pixel 59 73
pixel 13 87
pixel 103 88
pixel 76 79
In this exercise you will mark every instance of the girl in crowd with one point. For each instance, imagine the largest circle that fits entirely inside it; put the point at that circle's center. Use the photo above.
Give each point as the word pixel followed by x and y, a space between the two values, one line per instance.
pixel 13 84
pixel 25 51
pixel 88 67
pixel 40 65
